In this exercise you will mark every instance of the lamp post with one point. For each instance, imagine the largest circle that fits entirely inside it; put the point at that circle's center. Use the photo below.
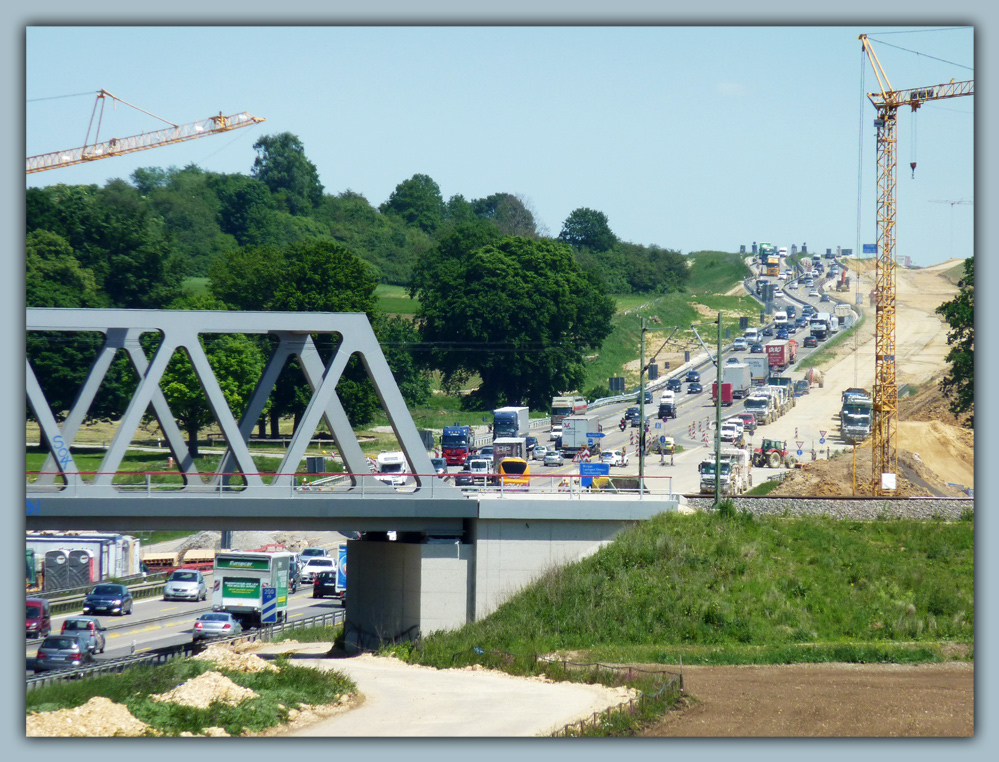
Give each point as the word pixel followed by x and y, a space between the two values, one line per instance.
pixel 641 411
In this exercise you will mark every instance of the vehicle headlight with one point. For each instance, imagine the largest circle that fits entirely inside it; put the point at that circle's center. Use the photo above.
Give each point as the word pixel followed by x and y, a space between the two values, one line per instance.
pixel 116 602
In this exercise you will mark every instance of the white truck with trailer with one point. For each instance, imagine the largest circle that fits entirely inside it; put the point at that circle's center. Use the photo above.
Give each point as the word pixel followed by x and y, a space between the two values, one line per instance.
pixel 239 579
pixel 574 431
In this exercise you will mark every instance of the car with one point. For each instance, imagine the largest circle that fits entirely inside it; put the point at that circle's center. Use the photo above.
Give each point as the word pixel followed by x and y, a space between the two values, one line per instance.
pixel 791 311
pixel 648 397
pixel 768 331
pixel 807 311
pixel 325 584
pixel 531 442
pixel 185 585
pixel 478 471
pixel 314 552
pixel 756 348
pixel 464 477
pixel 813 292
pixel 615 457
pixel 62 652
pixel 631 415
pixel 314 566
pixel 739 344
pixel 692 375
pixel 811 341
pixel 485 452
pixel 748 422
pixel 825 298
pixel 38 618
pixel 553 458
pixel 440 466
pixel 556 432
pixel 216 624
pixel 109 598
pixel 733 361
pixel 88 629
pixel 694 387
pixel 539 452
pixel 782 333
pixel 779 293
pixel 801 322
pixel 674 384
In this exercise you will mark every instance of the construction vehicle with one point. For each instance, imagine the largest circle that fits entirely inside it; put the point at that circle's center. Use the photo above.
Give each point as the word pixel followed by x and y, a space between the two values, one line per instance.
pixel 734 477
pixel 763 406
pixel 213 125
pixel 773 453
pixel 855 415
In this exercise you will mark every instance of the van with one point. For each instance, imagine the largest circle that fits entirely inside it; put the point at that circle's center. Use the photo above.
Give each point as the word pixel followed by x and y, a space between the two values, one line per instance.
pixel 752 335
pixel 38 618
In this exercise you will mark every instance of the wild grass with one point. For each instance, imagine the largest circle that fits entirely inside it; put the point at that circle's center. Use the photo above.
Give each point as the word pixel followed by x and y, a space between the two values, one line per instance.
pixel 745 585
pixel 290 687
pixel 395 300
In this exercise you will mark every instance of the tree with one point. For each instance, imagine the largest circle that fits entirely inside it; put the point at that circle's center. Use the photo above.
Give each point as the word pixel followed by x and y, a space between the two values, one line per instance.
pixel 509 213
pixel 587 229
pixel 418 202
pixel 958 385
pixel 282 166
pixel 237 364
pixel 518 312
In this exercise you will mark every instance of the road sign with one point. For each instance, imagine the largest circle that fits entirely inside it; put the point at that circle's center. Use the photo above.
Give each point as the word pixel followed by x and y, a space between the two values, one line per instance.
pixel 822 434
pixel 269 613
pixel 800 445
pixel 588 470
pixel 822 440
pixel 662 439
pixel 595 435
pixel 800 453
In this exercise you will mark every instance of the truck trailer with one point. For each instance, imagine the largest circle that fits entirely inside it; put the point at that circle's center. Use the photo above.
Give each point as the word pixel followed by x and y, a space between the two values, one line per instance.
pixel 740 377
pixel 565 406
pixel 574 431
pixel 781 353
pixel 511 422
pixel 726 392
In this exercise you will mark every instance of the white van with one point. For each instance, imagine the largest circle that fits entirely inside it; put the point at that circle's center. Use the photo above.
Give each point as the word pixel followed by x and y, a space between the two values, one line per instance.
pixel 780 319
pixel 752 335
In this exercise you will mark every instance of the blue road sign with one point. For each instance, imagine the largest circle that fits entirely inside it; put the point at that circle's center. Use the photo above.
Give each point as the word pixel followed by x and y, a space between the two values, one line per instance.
pixel 870 248
pixel 800 453
pixel 269 613
pixel 662 439
pixel 588 470
pixel 822 440
pixel 595 435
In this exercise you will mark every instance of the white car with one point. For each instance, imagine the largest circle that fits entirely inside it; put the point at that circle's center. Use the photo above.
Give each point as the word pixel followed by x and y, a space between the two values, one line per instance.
pixel 779 293
pixel 813 292
pixel 539 452
pixel 739 344
pixel 315 565
pixel 556 432
pixel 614 457
pixel 185 585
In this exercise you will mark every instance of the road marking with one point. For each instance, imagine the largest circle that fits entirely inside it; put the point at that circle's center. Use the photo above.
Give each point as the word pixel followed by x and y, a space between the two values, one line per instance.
pixel 150 628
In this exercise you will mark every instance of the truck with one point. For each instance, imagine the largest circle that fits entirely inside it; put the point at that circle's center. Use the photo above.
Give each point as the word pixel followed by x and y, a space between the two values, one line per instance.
pixel 781 353
pixel 740 377
pixel 764 251
pixel 773 266
pixel 563 406
pixel 509 447
pixel 341 571
pixel 574 431
pixel 733 472
pixel 239 579
pixel 667 405
pixel 456 443
pixel 855 415
pixel 780 319
pixel 759 369
pixel 511 422
pixel 726 393
pixel 763 407
pixel 818 326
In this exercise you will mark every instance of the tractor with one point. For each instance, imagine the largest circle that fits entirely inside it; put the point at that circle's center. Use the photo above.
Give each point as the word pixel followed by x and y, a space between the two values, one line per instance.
pixel 773 454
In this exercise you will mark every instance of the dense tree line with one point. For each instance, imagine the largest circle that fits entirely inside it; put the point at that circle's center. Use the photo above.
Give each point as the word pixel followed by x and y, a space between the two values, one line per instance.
pixel 484 270
pixel 958 385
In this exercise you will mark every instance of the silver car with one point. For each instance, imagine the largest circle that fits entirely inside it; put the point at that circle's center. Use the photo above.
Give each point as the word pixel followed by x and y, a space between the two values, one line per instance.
pixel 185 585
pixel 554 458
pixel 62 652
pixel 314 566
pixel 216 624
pixel 88 630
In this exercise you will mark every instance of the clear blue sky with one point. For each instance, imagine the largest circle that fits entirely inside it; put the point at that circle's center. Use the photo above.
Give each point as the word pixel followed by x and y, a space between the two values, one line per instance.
pixel 686 137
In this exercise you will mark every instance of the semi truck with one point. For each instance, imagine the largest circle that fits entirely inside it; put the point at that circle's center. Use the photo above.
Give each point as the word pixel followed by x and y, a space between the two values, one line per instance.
pixel 818 326
pixel 781 353
pixel 667 405
pixel 239 579
pixel 564 406
pixel 456 443
pixel 763 407
pixel 740 377
pixel 574 431
pixel 855 415
pixel 509 447
pixel 511 422
pixel 733 472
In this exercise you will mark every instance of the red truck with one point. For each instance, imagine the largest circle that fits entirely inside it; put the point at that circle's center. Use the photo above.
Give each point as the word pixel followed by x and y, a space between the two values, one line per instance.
pixel 781 353
pixel 726 392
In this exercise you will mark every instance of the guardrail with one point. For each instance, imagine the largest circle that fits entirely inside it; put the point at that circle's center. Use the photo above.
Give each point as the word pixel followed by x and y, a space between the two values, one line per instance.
pixel 166 653
pixel 67 592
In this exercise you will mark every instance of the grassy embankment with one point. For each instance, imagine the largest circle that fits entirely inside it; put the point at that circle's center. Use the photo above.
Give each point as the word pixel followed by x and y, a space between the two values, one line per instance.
pixel 715 589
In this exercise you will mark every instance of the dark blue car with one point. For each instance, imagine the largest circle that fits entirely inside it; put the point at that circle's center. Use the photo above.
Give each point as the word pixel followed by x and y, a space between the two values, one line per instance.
pixel 108 599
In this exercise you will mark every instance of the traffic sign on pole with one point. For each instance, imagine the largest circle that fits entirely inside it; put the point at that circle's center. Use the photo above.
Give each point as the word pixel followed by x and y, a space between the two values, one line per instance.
pixel 269 613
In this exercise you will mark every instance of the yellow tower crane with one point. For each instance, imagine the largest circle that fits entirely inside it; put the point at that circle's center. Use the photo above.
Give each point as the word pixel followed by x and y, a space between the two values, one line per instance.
pixel 884 423
pixel 119 146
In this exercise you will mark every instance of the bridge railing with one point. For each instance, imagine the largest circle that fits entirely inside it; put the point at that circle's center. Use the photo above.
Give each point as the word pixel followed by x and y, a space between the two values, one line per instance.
pixel 331 484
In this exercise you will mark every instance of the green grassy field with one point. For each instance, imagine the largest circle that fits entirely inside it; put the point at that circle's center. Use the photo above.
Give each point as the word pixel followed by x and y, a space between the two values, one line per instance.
pixel 395 300
pixel 735 588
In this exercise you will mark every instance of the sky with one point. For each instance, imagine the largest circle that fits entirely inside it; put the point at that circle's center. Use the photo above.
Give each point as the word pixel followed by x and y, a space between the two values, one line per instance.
pixel 690 138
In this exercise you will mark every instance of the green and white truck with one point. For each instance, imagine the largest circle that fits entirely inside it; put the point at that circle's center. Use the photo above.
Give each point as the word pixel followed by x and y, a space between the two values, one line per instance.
pixel 239 581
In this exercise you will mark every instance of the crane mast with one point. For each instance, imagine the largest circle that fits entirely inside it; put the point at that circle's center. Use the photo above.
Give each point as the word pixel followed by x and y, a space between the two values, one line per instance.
pixel 884 422
pixel 120 146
